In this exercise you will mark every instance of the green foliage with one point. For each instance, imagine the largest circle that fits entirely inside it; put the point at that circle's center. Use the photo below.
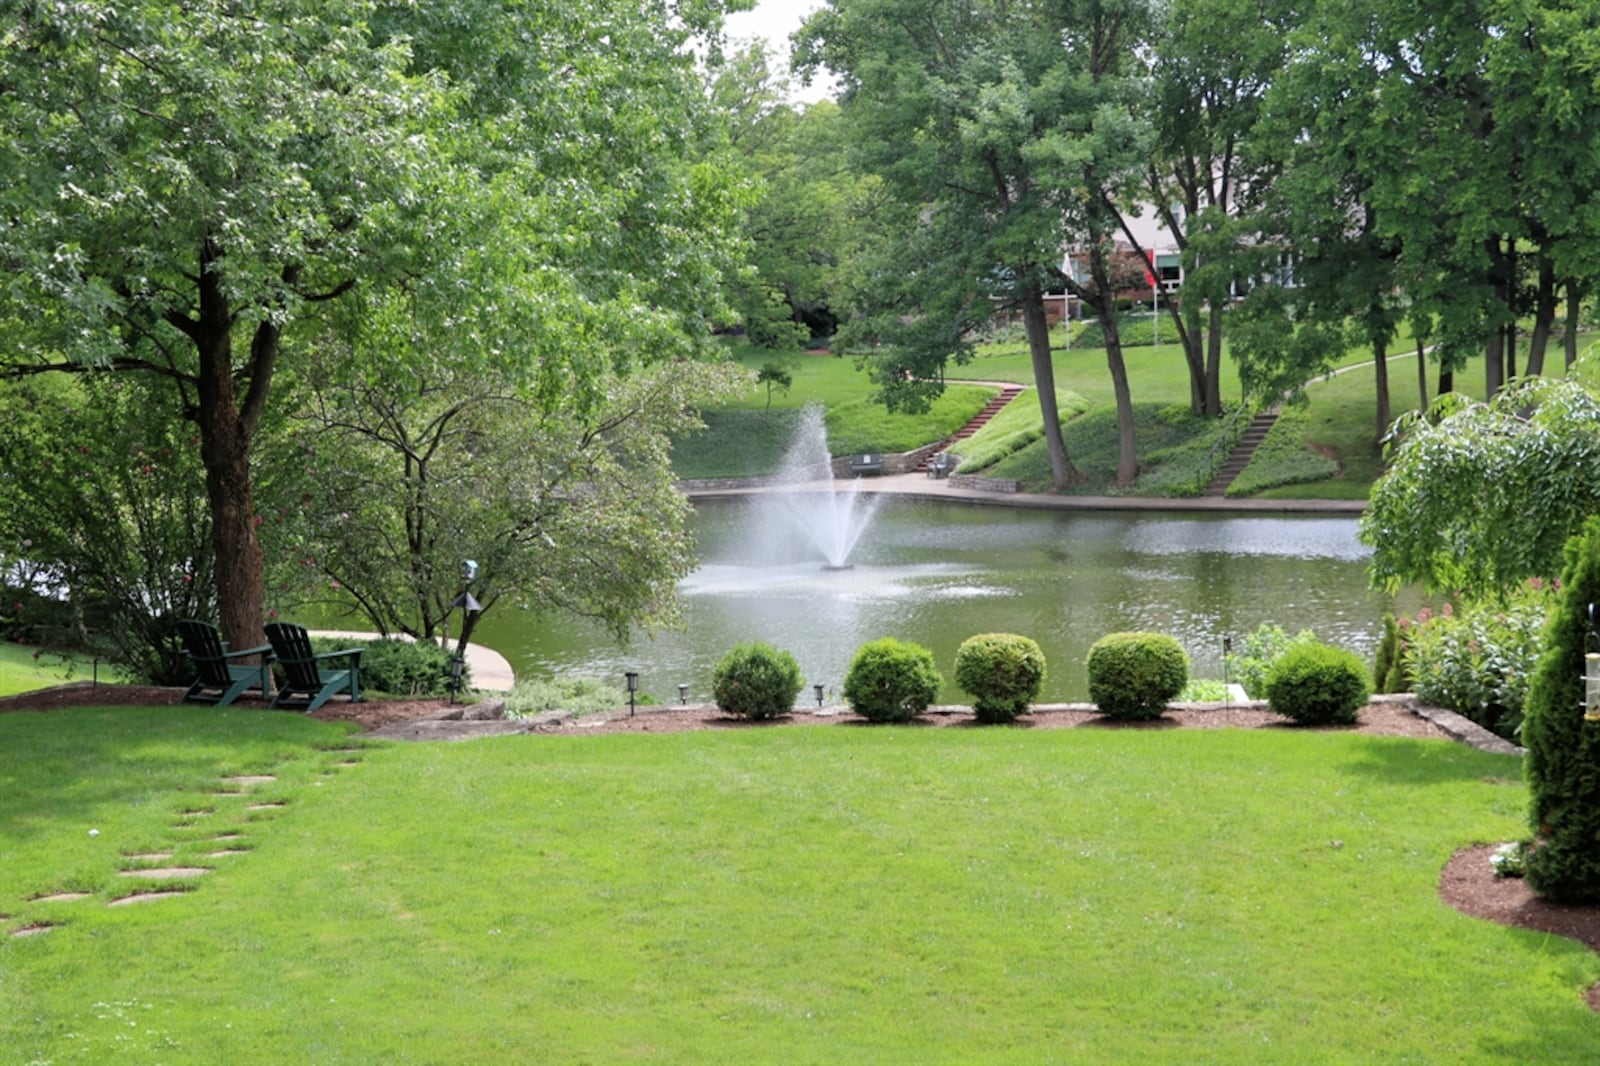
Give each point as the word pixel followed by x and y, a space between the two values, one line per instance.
pixel 401 667
pixel 1249 666
pixel 1002 672
pixel 1284 458
pixel 1175 451
pixel 574 695
pixel 1388 667
pixel 1017 425
pixel 1563 742
pixel 1203 690
pixel 1318 684
pixel 1480 497
pixel 891 680
pixel 1135 675
pixel 774 377
pixel 100 480
pixel 1134 331
pixel 756 681
pixel 1480 659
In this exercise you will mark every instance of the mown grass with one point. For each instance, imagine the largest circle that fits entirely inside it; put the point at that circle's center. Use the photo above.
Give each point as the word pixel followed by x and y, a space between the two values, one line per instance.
pixel 24 668
pixel 799 895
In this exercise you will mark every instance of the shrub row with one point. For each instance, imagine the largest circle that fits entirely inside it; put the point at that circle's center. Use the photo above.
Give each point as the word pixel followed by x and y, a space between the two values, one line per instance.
pixel 1132 676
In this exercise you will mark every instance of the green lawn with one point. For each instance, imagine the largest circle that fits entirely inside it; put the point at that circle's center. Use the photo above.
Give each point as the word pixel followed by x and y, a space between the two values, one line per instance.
pixel 21 671
pixel 799 895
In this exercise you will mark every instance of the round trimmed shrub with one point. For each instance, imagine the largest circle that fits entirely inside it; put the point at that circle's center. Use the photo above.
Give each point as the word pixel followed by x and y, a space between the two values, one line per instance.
pixel 1002 672
pixel 1315 684
pixel 1133 676
pixel 756 681
pixel 891 680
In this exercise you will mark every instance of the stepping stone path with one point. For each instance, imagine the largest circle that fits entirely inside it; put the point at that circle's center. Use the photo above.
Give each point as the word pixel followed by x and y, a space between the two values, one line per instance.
pixel 240 783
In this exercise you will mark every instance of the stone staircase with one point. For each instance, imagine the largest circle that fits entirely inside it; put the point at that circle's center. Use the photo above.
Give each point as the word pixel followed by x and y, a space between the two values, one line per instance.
pixel 1254 434
pixel 1006 395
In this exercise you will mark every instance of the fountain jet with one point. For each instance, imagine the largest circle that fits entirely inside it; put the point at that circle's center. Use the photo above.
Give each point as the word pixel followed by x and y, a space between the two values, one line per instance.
pixel 808 513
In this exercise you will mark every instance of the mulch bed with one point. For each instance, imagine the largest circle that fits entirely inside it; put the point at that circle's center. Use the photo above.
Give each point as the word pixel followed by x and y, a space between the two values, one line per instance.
pixel 1467 883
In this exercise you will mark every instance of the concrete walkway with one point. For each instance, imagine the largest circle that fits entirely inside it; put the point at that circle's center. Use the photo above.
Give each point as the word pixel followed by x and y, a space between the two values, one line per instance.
pixel 920 486
pixel 490 670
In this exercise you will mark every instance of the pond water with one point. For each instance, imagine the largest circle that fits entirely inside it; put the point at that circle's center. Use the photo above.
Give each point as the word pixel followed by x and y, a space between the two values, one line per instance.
pixel 937 573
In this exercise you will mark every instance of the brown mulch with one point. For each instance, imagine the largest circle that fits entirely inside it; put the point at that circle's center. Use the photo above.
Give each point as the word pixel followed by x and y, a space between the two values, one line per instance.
pixel 1467 883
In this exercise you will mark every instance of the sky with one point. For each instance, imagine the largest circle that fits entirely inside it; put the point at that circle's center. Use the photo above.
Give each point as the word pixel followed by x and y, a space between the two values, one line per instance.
pixel 775 20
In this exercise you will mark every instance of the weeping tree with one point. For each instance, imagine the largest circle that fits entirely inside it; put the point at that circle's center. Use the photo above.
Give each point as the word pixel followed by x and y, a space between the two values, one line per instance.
pixel 1563 738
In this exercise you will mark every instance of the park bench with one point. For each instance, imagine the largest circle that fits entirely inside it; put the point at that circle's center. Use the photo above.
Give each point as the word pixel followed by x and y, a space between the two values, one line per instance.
pixel 861 465
pixel 940 465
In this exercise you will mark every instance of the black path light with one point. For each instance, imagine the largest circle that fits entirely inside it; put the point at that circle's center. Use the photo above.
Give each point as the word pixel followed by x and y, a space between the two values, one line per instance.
pixel 818 690
pixel 633 688
pixel 1227 681
pixel 469 605
pixel 683 693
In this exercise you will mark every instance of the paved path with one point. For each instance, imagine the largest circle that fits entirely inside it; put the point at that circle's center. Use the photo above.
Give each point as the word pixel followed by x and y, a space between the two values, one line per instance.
pixel 490 670
pixel 920 486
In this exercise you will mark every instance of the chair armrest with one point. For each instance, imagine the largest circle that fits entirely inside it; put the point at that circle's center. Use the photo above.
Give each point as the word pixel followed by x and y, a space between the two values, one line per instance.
pixel 346 653
pixel 265 648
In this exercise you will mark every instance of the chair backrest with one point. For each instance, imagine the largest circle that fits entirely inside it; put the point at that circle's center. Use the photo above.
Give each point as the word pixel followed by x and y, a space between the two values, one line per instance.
pixel 204 647
pixel 291 645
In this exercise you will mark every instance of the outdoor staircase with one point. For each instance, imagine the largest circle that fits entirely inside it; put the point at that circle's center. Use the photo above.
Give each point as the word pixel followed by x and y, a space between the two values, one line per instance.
pixel 1006 395
pixel 1254 434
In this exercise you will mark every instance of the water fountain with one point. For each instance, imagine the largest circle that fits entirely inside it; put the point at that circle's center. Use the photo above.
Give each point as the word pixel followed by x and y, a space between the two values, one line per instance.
pixel 809 514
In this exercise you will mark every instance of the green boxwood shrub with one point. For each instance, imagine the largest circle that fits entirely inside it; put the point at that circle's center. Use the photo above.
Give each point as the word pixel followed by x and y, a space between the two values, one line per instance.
pixel 891 680
pixel 1002 672
pixel 1316 684
pixel 1249 666
pixel 1134 676
pixel 756 681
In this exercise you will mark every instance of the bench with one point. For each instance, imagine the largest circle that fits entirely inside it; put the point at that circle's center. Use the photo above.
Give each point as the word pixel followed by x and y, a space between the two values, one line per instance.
pixel 865 464
pixel 939 465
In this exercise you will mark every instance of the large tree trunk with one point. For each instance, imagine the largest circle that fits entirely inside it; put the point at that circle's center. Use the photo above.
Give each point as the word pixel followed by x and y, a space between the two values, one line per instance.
pixel 1570 336
pixel 1106 308
pixel 1380 363
pixel 1544 319
pixel 1422 375
pixel 226 423
pixel 1037 327
pixel 1213 396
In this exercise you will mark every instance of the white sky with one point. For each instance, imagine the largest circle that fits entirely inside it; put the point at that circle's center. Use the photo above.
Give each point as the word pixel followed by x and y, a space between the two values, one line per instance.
pixel 775 20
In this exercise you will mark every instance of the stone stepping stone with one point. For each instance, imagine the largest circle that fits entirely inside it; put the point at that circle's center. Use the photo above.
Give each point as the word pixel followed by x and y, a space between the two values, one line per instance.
pixel 33 930
pixel 227 851
pixel 264 806
pixel 149 856
pixel 146 897
pixel 62 897
pixel 249 779
pixel 228 836
pixel 166 873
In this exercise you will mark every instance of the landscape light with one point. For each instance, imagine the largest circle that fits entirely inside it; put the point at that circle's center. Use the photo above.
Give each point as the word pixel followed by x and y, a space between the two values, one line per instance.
pixel 633 687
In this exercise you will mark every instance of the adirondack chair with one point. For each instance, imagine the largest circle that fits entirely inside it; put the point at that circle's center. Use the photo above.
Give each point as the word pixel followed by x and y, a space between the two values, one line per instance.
pixel 221 680
pixel 307 683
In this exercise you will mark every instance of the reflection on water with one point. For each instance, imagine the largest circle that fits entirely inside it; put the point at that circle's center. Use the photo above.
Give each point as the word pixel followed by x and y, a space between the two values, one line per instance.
pixel 939 573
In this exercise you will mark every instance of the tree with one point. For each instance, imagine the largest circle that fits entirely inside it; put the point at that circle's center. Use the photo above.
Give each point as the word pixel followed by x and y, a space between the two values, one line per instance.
pixel 200 193
pixel 562 508
pixel 100 502
pixel 1563 765
pixel 1479 497
pixel 1003 132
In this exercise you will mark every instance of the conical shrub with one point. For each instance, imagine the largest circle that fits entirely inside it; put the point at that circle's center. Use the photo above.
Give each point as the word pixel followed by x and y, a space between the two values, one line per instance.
pixel 1563 762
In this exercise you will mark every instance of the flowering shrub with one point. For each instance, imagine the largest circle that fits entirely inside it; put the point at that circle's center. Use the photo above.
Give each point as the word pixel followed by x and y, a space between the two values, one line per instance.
pixel 1509 860
pixel 1478 661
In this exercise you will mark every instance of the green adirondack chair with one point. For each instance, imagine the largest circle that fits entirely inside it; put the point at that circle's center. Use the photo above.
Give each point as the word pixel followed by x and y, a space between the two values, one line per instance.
pixel 307 683
pixel 221 679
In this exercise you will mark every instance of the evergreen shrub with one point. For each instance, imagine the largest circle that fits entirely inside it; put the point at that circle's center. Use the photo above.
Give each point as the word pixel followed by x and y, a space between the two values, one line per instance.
pixel 1563 761
pixel 891 680
pixel 756 681
pixel 1317 684
pixel 1003 673
pixel 418 668
pixel 1134 676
